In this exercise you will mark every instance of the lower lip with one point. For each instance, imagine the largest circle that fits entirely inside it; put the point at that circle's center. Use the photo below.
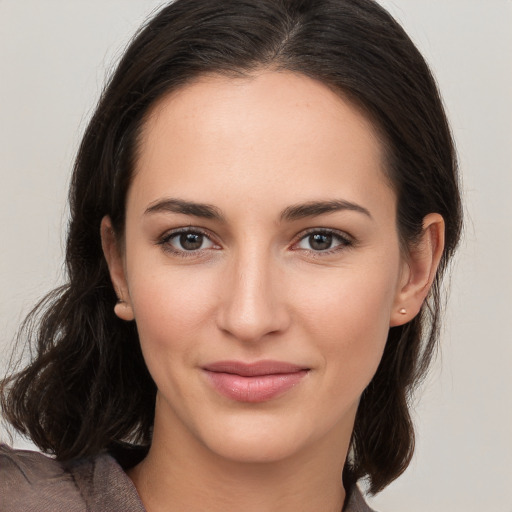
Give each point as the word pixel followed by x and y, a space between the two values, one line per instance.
pixel 258 388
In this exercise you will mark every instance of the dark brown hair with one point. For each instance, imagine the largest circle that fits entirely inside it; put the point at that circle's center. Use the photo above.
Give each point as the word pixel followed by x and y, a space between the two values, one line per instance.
pixel 87 386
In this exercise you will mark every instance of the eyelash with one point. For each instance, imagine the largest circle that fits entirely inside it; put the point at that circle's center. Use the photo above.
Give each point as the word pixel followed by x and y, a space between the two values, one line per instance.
pixel 343 240
pixel 165 241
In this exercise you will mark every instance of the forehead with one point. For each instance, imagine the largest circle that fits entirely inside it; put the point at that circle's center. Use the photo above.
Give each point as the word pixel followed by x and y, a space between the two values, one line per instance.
pixel 272 128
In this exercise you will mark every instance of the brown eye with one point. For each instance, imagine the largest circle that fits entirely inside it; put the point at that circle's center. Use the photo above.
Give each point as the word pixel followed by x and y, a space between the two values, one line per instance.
pixel 191 241
pixel 187 241
pixel 320 241
pixel 323 241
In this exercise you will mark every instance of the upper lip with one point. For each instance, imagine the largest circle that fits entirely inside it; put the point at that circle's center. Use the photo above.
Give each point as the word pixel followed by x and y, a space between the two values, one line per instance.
pixel 257 368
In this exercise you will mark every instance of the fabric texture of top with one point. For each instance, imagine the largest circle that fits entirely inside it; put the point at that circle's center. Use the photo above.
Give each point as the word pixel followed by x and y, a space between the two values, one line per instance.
pixel 33 482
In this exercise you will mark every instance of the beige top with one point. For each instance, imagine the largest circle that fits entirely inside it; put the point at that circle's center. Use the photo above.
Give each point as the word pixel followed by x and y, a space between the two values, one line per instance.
pixel 33 482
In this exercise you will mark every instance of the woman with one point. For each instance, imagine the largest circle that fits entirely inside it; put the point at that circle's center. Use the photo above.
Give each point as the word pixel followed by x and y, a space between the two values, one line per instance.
pixel 262 208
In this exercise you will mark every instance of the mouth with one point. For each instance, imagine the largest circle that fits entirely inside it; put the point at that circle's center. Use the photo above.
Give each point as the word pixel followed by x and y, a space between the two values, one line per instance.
pixel 254 382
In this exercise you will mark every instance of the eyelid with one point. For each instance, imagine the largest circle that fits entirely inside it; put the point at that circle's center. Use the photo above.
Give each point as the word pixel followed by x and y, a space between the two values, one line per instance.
pixel 347 241
pixel 164 239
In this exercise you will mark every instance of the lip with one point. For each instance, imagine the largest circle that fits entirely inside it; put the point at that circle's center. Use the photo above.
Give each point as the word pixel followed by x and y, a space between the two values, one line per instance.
pixel 253 382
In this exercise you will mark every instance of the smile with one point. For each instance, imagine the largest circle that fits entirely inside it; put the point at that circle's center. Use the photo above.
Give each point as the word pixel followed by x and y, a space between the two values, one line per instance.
pixel 255 382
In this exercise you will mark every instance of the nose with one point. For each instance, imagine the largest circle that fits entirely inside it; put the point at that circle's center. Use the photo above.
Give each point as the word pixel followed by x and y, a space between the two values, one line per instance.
pixel 253 303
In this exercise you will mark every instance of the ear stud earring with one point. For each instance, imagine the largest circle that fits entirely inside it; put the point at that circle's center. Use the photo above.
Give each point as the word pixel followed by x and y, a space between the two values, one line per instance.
pixel 402 311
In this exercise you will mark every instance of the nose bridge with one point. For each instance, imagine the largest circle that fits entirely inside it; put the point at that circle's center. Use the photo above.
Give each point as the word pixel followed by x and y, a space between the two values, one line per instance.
pixel 253 303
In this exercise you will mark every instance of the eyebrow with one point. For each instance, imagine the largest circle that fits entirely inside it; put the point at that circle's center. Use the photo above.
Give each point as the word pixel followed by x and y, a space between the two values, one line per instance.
pixel 291 213
pixel 205 211
pixel 315 208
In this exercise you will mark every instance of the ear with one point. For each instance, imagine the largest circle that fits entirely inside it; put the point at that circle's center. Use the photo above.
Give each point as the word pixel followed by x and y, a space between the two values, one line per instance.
pixel 111 250
pixel 419 271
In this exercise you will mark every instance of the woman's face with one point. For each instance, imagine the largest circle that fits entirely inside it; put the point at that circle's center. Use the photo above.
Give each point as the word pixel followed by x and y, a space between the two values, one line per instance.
pixel 261 263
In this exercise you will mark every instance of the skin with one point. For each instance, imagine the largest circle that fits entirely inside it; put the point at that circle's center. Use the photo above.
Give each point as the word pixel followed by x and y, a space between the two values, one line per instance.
pixel 258 288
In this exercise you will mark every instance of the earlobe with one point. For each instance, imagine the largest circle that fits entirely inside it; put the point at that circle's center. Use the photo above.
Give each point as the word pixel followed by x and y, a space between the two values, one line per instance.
pixel 422 264
pixel 124 310
pixel 112 253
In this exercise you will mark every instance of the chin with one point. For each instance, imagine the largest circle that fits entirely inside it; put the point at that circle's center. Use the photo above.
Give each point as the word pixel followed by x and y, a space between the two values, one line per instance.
pixel 250 446
pixel 266 437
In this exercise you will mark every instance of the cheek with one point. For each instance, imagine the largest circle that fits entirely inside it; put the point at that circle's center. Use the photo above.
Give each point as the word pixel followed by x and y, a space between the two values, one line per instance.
pixel 348 315
pixel 171 307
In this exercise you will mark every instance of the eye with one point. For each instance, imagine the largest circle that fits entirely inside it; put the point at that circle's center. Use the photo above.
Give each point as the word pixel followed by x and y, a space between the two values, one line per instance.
pixel 186 241
pixel 323 241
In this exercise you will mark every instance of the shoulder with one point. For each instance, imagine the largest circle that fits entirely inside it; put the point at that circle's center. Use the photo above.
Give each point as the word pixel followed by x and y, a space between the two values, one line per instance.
pixel 31 481
pixel 355 501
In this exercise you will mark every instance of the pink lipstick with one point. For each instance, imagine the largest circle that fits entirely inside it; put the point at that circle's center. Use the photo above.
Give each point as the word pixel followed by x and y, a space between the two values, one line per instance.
pixel 253 382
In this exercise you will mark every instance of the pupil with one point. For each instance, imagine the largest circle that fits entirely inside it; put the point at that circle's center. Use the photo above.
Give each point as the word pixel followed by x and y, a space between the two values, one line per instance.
pixel 191 241
pixel 320 242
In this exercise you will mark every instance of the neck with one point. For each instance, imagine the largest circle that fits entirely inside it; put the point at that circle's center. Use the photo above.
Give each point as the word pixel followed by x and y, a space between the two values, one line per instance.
pixel 180 473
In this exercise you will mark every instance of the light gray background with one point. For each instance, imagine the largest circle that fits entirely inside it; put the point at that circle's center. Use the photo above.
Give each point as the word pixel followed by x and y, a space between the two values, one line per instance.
pixel 53 58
